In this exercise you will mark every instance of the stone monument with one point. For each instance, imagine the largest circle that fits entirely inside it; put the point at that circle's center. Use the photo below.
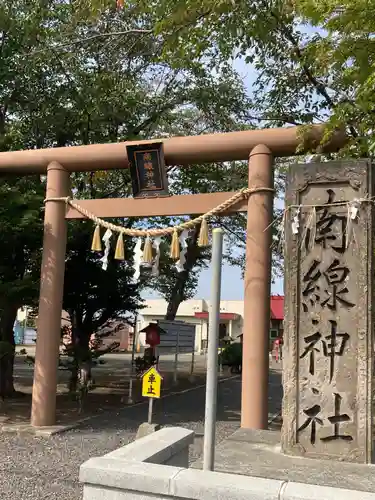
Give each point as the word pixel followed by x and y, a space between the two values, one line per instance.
pixel 328 340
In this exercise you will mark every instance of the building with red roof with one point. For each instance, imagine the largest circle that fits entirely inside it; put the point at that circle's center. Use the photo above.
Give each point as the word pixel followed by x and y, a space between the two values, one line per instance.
pixel 196 311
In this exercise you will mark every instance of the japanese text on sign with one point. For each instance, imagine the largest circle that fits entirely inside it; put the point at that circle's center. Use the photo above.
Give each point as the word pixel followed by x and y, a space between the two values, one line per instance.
pixel 147 168
pixel 325 288
pixel 151 383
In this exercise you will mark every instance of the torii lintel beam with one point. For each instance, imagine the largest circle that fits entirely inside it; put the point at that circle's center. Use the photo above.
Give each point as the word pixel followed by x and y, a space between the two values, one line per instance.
pixel 177 150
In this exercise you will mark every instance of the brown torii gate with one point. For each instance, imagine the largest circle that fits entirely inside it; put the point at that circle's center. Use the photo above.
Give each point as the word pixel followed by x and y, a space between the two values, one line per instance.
pixel 259 146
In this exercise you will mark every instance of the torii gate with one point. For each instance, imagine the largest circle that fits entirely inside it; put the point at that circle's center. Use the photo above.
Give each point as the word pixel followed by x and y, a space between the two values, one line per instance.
pixel 258 146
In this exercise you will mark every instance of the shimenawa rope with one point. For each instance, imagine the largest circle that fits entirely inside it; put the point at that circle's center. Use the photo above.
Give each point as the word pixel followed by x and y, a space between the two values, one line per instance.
pixel 244 193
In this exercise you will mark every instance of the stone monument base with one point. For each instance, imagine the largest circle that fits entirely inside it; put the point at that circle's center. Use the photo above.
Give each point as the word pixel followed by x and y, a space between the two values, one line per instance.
pixel 258 453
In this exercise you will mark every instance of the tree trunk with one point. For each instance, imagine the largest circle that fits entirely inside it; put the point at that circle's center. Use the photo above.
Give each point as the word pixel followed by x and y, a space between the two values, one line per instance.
pixel 8 315
pixel 177 295
pixel 178 292
pixel 81 352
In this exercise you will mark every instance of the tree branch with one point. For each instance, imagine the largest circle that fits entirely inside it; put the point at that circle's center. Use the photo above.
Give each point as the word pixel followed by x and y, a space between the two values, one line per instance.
pixel 285 119
pixel 241 239
pixel 93 37
pixel 318 85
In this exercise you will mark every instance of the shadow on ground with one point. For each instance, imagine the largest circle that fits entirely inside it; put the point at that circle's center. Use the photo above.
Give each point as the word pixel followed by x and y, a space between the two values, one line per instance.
pixel 188 407
pixel 110 395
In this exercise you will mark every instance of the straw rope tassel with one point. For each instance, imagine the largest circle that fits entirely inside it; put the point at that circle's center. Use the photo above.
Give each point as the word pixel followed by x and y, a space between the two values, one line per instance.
pixel 203 234
pixel 120 252
pixel 175 246
pixel 147 251
pixel 189 224
pixel 96 245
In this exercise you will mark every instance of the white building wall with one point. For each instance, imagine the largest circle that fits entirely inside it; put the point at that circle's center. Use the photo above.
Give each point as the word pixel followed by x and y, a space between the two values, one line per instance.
pixel 236 307
pixel 156 309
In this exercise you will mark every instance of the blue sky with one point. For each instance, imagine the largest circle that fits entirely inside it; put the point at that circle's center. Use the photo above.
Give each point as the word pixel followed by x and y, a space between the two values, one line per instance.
pixel 232 283
pixel 232 287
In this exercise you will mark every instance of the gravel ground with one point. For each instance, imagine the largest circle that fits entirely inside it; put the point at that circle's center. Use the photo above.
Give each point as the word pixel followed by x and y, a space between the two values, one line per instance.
pixel 39 468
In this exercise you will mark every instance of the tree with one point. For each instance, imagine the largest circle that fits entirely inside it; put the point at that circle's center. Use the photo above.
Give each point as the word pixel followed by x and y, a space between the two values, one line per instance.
pixel 200 102
pixel 94 297
pixel 21 223
pixel 21 198
pixel 67 80
pixel 303 75
pixel 212 102
pixel 344 64
pixel 174 286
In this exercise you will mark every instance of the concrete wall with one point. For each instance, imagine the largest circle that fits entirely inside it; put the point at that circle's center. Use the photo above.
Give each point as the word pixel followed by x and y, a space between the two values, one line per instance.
pixel 155 467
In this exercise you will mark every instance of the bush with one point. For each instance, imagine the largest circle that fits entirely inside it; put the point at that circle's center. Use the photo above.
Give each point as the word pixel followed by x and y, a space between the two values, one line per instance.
pixel 231 355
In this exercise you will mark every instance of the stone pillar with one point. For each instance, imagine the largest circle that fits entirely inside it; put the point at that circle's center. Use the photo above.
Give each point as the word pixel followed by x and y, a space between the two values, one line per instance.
pixel 43 411
pixel 328 347
pixel 255 360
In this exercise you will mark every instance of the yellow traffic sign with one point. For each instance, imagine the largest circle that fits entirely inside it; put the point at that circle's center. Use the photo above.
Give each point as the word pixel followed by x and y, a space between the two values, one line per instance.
pixel 151 383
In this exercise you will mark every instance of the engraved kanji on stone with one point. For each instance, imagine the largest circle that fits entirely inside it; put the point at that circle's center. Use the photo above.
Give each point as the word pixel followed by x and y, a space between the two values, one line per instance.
pixel 311 348
pixel 336 419
pixel 332 346
pixel 332 291
pixel 314 419
pixel 330 227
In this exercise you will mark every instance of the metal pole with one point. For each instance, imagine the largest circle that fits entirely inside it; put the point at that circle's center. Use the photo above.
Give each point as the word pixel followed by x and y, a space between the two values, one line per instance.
pixel 221 371
pixel 134 338
pixel 192 363
pixel 130 396
pixel 25 321
pixel 212 354
pixel 175 376
pixel 150 402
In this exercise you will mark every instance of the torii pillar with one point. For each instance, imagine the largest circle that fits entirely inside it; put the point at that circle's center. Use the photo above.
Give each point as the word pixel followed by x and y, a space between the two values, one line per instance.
pixel 43 412
pixel 255 358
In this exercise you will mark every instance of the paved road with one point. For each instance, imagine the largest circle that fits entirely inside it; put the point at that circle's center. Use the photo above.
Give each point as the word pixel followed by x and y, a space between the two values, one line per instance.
pixel 123 362
pixel 119 364
pixel 38 468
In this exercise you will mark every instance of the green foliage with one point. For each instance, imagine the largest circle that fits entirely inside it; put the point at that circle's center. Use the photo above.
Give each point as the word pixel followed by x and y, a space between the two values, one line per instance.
pixel 231 355
pixel 302 74
pixel 344 55
pixel 21 226
pixel 83 72
pixel 70 78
